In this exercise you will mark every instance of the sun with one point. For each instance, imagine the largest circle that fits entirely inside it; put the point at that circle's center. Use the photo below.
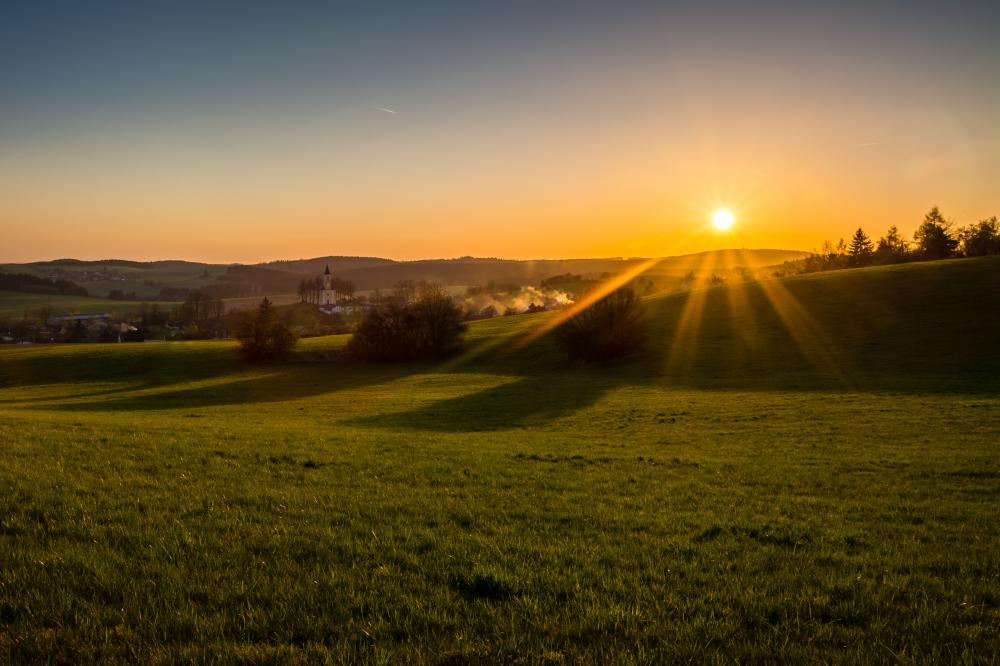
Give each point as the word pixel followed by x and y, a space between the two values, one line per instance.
pixel 722 219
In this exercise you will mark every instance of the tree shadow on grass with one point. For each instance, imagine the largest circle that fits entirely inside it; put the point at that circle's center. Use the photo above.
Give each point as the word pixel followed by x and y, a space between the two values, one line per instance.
pixel 528 401
pixel 149 363
pixel 279 383
pixel 74 396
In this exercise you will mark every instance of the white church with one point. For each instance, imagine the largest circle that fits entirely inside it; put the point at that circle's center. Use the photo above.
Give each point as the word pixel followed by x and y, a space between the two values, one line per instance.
pixel 327 295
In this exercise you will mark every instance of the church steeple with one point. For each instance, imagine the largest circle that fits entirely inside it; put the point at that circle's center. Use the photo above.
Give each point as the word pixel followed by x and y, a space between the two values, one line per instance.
pixel 328 295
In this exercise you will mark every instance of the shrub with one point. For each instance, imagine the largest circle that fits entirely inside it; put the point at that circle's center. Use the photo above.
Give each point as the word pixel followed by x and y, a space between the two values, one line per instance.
pixel 264 337
pixel 428 328
pixel 891 248
pixel 382 335
pixel 981 238
pixel 613 326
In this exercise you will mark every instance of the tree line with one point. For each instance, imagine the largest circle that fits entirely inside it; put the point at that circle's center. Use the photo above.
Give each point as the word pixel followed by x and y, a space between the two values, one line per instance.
pixel 935 238
pixel 310 288
pixel 25 282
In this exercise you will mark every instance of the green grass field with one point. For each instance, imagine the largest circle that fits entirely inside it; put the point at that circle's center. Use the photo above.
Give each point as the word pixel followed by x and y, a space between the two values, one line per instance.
pixel 803 470
pixel 146 281
pixel 14 305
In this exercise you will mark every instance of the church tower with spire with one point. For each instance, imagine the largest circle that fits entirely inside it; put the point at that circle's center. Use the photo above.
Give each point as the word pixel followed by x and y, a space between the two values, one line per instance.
pixel 327 295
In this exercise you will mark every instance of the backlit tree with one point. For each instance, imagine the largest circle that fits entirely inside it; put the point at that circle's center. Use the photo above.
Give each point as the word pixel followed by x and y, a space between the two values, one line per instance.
pixel 860 251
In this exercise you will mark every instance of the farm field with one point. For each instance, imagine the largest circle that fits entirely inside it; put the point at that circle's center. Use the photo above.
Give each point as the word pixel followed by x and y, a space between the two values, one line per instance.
pixel 13 304
pixel 145 279
pixel 252 302
pixel 800 470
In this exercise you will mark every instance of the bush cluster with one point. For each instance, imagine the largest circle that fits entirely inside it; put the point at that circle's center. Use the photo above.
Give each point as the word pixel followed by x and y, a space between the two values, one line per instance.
pixel 612 327
pixel 430 327
pixel 264 337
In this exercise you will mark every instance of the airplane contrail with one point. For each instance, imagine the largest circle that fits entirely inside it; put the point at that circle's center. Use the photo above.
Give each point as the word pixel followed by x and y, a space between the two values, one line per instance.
pixel 387 110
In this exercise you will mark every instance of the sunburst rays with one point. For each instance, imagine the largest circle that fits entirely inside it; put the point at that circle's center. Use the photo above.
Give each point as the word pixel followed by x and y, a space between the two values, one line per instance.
pixel 741 316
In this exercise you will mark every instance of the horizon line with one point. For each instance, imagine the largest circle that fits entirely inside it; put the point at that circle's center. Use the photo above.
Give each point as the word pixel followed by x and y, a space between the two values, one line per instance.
pixel 400 261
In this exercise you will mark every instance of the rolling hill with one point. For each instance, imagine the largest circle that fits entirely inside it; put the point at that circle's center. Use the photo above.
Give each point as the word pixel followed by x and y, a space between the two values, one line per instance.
pixel 478 271
pixel 926 322
pixel 148 279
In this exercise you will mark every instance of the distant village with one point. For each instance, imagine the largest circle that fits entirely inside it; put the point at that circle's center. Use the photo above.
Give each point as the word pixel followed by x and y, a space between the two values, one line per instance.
pixel 324 305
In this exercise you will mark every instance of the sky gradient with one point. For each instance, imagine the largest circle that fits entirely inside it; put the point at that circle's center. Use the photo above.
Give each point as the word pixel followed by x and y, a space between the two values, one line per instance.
pixel 248 132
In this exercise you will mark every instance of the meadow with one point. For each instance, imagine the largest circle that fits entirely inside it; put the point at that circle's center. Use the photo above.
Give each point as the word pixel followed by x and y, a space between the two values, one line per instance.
pixel 14 305
pixel 795 470
pixel 144 278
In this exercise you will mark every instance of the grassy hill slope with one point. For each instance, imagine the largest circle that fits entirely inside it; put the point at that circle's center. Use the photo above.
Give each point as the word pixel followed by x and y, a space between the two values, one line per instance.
pixel 800 470
pixel 921 325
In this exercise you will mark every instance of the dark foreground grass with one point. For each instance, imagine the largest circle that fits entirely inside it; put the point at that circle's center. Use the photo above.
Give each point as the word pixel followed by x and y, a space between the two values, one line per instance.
pixel 163 503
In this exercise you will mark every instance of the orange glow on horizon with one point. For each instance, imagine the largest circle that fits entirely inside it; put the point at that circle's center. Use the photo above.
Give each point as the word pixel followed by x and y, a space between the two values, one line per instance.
pixel 412 198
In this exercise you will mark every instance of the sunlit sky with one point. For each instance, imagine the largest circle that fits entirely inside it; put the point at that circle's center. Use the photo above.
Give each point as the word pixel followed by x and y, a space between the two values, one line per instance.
pixel 247 132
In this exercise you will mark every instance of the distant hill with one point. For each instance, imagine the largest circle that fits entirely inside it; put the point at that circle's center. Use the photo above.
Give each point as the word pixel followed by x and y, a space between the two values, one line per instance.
pixel 727 260
pixel 472 271
pixel 315 266
pixel 258 280
pixel 366 274
pixel 116 263
pixel 145 278
pixel 152 280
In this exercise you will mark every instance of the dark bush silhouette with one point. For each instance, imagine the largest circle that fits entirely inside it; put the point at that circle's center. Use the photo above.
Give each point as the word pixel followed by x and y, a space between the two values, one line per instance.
pixel 382 335
pixel 982 238
pixel 613 326
pixel 430 327
pixel 892 248
pixel 264 337
pixel 439 326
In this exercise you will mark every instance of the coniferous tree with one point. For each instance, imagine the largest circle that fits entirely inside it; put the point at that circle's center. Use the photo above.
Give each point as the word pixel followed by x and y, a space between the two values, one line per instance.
pixel 860 251
pixel 934 238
